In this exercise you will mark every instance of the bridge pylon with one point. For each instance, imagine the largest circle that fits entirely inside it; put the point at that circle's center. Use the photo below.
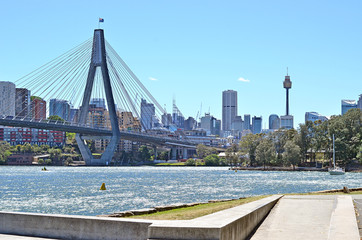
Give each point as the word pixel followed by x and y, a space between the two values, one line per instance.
pixel 98 59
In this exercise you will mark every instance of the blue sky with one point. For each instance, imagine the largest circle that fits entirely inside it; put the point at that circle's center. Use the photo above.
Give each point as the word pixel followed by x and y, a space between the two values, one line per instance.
pixel 193 50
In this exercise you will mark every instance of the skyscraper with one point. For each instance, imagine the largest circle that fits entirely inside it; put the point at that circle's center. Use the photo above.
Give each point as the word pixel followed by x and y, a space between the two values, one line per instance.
pixel 348 104
pixel 274 121
pixel 314 116
pixel 59 107
pixel 7 99
pixel 257 123
pixel 359 103
pixel 147 114
pixel 229 108
pixel 22 102
pixel 247 122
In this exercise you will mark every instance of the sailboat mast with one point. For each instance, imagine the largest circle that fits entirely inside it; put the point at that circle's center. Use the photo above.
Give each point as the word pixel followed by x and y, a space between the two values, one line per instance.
pixel 334 154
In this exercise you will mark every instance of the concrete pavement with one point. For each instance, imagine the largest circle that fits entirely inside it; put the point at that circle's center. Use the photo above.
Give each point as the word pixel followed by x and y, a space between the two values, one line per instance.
pixel 310 217
pixel 357 200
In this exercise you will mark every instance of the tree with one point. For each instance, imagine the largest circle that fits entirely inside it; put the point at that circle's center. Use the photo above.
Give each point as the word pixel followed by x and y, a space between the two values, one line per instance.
pixel 291 154
pixel 55 118
pixel 144 153
pixel 190 162
pixel 265 152
pixel 304 138
pixel 232 155
pixel 202 151
pixel 4 152
pixel 248 146
pixel 212 160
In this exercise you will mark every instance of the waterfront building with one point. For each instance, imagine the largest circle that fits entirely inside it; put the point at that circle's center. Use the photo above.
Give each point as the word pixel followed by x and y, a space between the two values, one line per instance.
pixel 147 113
pixel 247 125
pixel 286 121
pixel 22 103
pixel 274 121
pixel 59 107
pixel 7 99
pixel 348 104
pixel 314 116
pixel 229 108
pixel 19 136
pixel 38 108
pixel 257 124
pixel 127 122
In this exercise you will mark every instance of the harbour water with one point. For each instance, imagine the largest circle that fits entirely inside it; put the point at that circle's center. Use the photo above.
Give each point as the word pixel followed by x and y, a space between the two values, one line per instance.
pixel 75 190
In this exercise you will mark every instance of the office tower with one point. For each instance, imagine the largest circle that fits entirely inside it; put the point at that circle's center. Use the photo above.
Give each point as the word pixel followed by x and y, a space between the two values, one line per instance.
pixel 257 123
pixel 38 108
pixel 177 117
pixel 22 102
pixel 74 115
pixel 205 122
pixel 166 119
pixel 348 104
pixel 247 122
pixel 98 103
pixel 7 99
pixel 314 116
pixel 274 121
pixel 189 124
pixel 147 115
pixel 237 124
pixel 286 121
pixel 59 107
pixel 216 127
pixel 229 108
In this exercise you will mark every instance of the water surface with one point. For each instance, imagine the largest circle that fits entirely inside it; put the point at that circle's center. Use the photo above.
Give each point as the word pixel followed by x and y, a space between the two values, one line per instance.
pixel 75 190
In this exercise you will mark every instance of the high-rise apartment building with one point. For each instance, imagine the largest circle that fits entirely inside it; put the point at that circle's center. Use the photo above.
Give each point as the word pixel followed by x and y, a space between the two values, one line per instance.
pixel 257 124
pixel 348 104
pixel 229 108
pixel 7 99
pixel 59 107
pixel 147 114
pixel 38 108
pixel 274 121
pixel 22 103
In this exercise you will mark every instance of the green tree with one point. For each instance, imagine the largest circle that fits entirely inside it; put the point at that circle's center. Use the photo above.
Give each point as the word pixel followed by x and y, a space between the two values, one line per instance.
pixel 202 151
pixel 265 152
pixel 232 154
pixel 55 118
pixel 248 145
pixel 212 160
pixel 291 155
pixel 144 153
pixel 190 162
pixel 4 152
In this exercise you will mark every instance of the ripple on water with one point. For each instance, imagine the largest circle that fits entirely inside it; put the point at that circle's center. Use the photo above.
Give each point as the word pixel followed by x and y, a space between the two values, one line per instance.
pixel 66 190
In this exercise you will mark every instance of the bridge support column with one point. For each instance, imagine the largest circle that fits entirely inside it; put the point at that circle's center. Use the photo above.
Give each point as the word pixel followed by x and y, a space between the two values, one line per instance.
pixel 173 153
pixel 184 153
pixel 155 152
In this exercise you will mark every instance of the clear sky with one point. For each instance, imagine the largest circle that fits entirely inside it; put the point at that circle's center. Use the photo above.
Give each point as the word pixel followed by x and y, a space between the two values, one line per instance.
pixel 194 49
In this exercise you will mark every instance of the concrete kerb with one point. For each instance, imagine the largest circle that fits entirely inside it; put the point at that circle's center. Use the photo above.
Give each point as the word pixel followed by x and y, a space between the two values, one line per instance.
pixel 72 227
pixel 234 223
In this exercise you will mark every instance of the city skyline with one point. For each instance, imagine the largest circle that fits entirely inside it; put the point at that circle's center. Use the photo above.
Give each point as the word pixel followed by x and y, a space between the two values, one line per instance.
pixel 196 56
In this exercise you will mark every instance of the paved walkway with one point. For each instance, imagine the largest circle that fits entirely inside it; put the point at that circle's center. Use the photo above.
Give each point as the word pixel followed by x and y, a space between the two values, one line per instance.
pixel 310 217
pixel 357 200
pixel 16 237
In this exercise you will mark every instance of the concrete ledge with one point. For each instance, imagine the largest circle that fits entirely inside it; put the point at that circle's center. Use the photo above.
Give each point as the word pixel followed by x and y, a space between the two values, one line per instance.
pixel 343 223
pixel 72 227
pixel 235 223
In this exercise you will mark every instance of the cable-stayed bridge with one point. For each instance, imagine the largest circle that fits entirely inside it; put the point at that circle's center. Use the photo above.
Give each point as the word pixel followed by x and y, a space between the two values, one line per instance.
pixel 107 100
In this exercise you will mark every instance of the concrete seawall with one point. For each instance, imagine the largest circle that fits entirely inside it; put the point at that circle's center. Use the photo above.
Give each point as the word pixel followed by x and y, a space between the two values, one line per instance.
pixel 234 223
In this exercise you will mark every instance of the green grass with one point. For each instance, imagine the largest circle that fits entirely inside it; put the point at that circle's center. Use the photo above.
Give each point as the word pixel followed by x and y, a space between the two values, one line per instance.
pixel 187 213
pixel 170 164
pixel 196 211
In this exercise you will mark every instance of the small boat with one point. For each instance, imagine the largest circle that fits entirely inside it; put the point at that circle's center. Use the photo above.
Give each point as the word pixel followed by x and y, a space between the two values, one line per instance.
pixel 335 170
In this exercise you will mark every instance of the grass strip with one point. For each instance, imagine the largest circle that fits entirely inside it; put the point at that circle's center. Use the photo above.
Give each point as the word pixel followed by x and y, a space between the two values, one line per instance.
pixel 187 213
